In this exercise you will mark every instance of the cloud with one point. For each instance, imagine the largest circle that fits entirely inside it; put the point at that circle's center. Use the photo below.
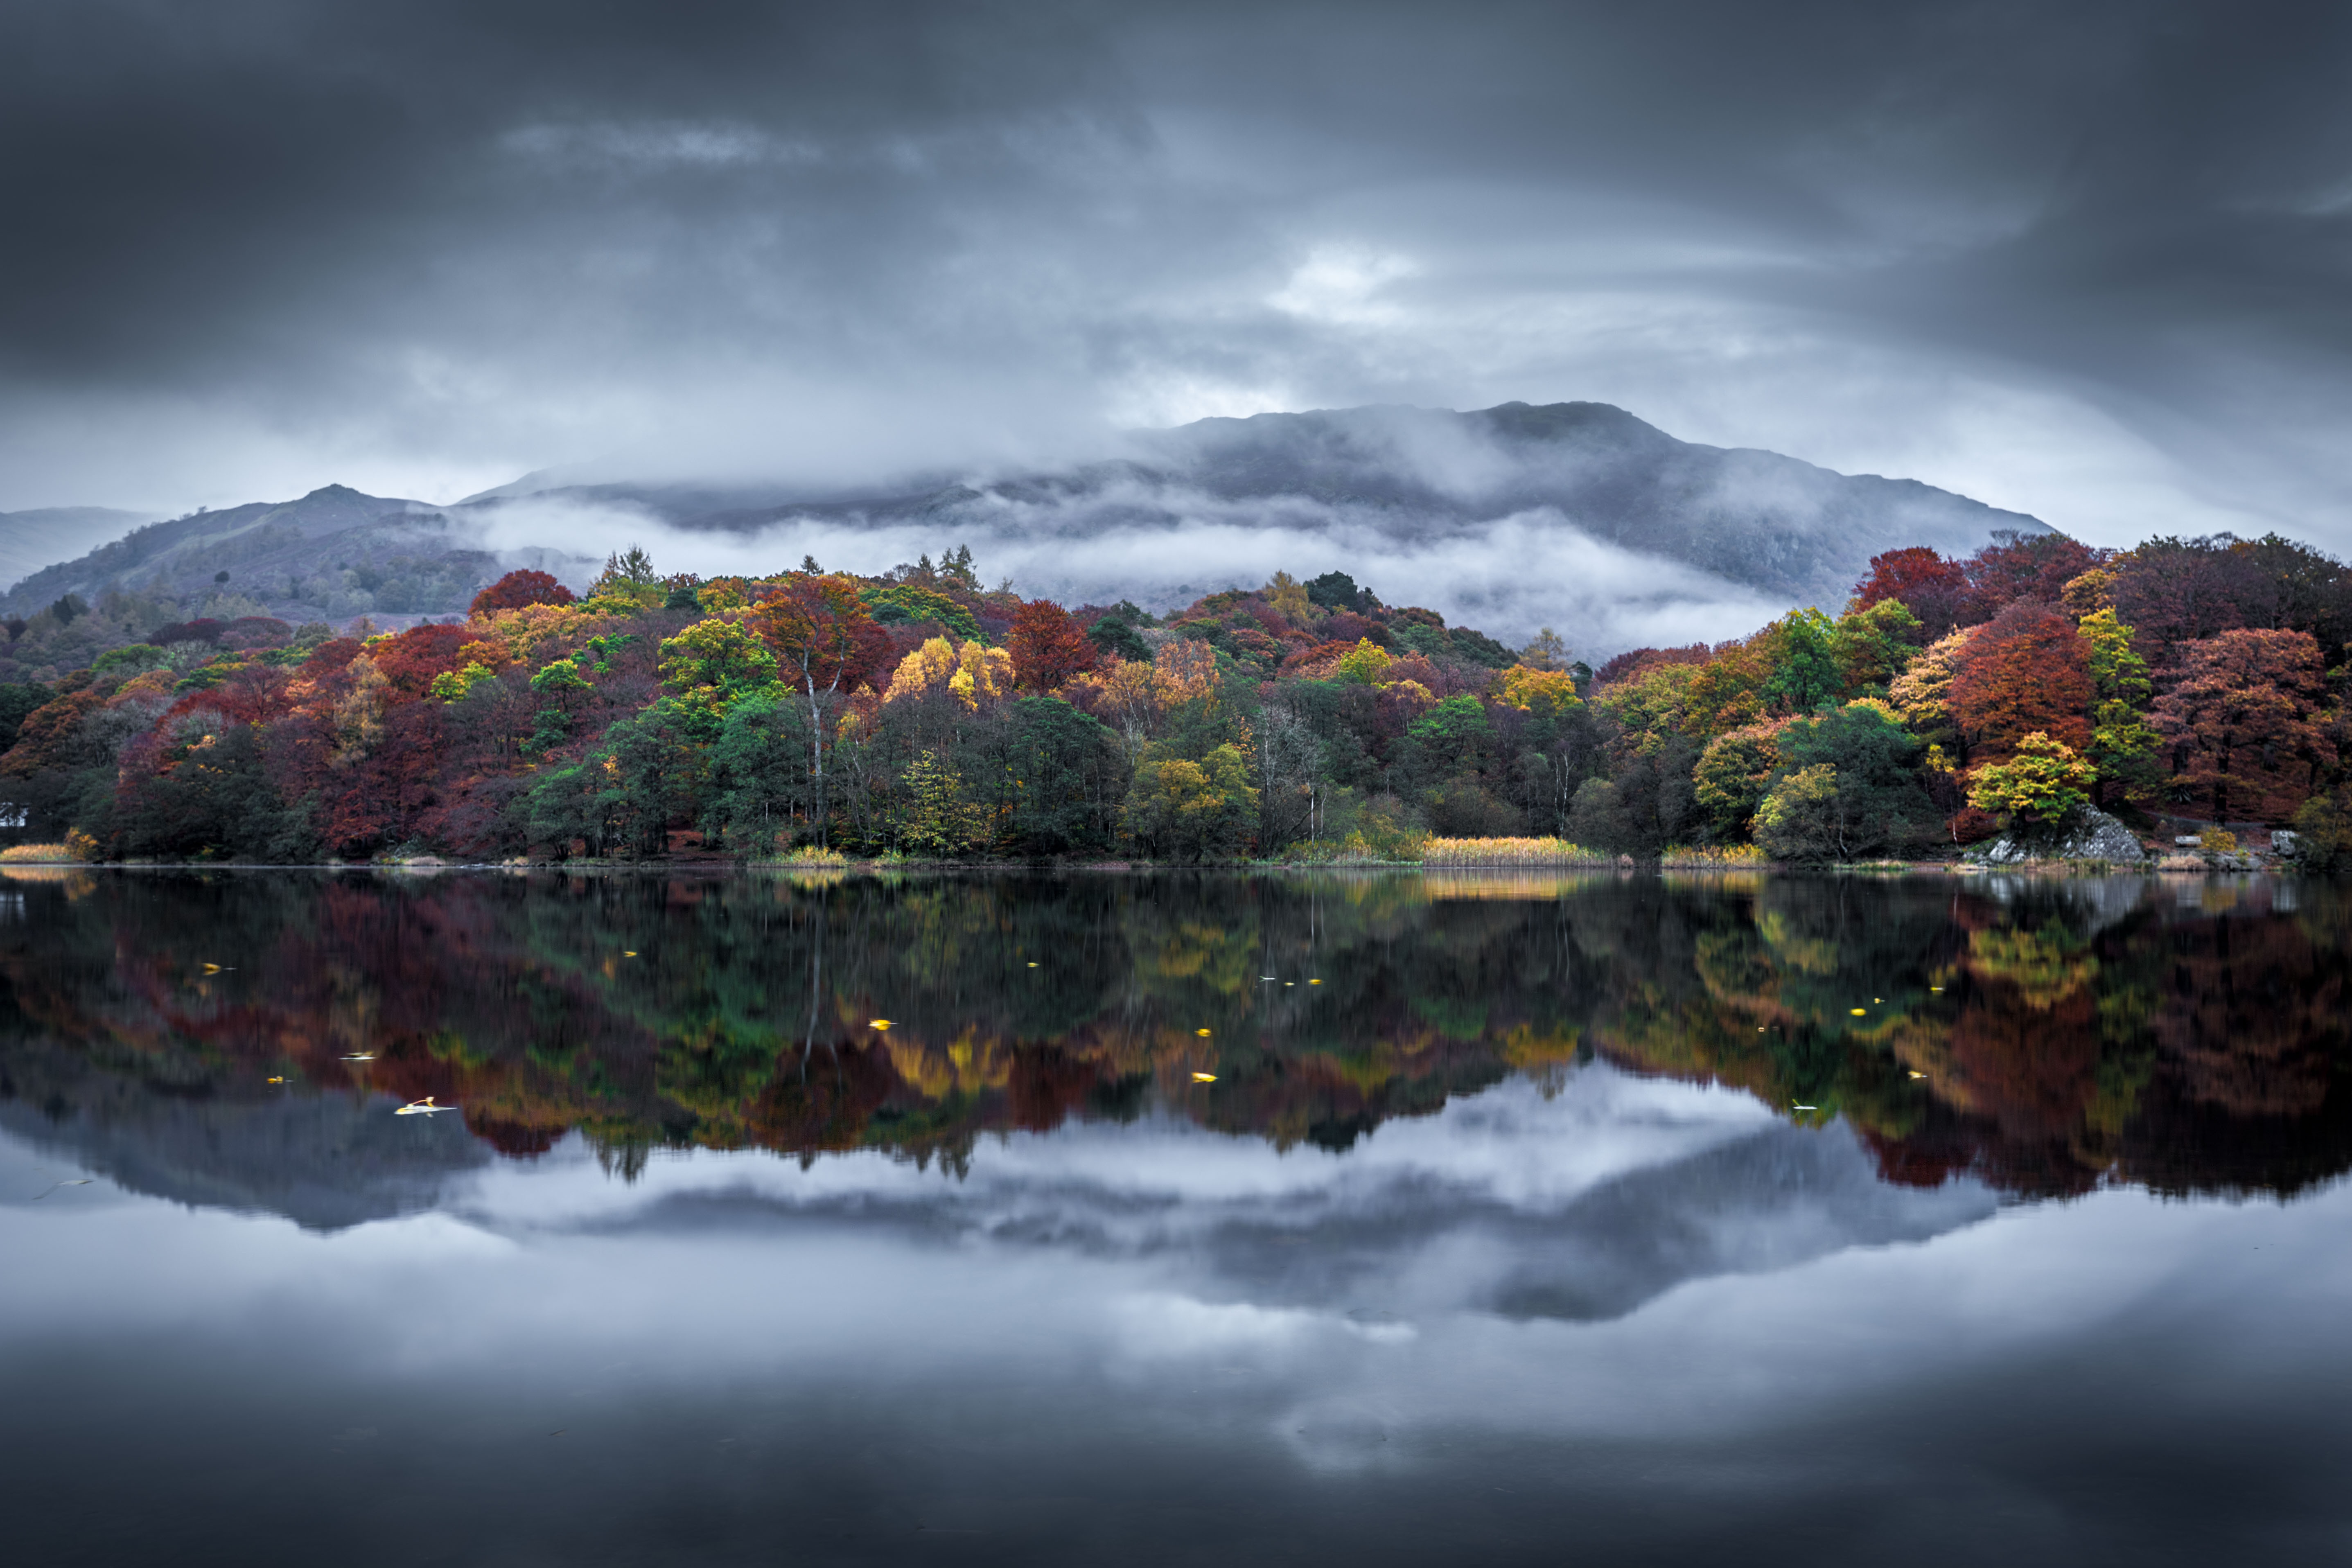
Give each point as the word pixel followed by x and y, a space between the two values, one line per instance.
pixel 1505 576
pixel 2081 261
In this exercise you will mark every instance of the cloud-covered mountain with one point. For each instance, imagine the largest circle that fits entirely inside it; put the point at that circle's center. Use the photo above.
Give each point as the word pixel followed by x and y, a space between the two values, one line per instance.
pixel 1576 515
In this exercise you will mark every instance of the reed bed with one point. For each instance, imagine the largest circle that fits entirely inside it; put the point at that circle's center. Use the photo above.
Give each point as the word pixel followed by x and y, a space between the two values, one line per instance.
pixel 1510 852
pixel 35 855
pixel 1714 857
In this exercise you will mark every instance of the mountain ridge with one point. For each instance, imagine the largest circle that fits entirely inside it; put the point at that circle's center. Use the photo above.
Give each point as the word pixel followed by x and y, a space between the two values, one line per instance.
pixel 1584 493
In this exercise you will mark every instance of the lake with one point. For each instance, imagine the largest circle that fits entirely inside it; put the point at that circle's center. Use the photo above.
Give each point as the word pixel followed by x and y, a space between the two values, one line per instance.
pixel 1111 1217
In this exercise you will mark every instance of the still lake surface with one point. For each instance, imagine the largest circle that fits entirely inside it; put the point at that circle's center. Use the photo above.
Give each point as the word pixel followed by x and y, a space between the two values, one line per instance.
pixel 1173 1219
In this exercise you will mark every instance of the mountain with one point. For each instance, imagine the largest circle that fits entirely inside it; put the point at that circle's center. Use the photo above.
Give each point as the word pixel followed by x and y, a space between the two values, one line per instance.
pixel 332 554
pixel 1573 514
pixel 31 540
pixel 1578 514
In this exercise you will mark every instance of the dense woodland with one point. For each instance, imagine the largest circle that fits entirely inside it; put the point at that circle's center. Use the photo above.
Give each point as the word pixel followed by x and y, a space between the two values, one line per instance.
pixel 917 714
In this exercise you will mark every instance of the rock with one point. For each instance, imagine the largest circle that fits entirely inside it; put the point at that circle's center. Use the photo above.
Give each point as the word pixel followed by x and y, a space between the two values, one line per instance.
pixel 2085 834
pixel 2187 841
pixel 2283 842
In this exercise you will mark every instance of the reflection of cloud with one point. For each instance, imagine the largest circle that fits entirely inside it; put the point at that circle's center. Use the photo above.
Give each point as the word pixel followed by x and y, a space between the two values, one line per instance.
pixel 1582 1204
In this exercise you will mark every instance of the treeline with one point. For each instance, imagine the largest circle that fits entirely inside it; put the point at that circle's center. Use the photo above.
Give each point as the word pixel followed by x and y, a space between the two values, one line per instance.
pixel 917 713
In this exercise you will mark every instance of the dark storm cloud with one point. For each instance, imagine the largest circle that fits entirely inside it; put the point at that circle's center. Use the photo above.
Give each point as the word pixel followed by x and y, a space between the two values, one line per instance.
pixel 2086 261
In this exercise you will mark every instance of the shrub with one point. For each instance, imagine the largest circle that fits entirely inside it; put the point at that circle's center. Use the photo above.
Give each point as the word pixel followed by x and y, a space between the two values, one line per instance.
pixel 2042 783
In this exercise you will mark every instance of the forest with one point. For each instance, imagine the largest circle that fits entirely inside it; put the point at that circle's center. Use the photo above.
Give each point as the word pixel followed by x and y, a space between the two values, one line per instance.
pixel 916 715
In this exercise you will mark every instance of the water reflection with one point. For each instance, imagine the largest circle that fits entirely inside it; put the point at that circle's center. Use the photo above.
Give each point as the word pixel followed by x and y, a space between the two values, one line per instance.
pixel 1497 1234
pixel 230 1037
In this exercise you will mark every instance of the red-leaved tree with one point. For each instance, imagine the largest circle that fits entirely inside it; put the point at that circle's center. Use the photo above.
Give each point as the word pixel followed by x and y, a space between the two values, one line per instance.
pixel 1934 589
pixel 2015 568
pixel 2242 725
pixel 516 590
pixel 1047 647
pixel 2026 669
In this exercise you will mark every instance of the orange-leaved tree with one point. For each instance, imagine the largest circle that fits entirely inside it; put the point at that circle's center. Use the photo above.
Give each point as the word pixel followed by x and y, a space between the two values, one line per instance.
pixel 2242 726
pixel 825 643
pixel 2025 670
pixel 1047 647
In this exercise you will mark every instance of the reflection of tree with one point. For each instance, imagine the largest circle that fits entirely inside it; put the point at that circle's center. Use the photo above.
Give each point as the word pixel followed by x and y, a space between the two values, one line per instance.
pixel 2029 1038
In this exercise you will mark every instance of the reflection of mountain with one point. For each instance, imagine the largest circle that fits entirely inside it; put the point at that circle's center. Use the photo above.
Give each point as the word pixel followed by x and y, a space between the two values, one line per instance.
pixel 1582 1203
pixel 2043 1037
pixel 322 1161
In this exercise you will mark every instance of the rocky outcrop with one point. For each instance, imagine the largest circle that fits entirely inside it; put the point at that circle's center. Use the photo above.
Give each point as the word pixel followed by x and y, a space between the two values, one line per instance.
pixel 2084 833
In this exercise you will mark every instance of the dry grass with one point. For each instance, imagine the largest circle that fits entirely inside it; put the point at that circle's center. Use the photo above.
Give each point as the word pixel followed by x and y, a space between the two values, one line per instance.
pixel 1715 858
pixel 1510 852
pixel 36 855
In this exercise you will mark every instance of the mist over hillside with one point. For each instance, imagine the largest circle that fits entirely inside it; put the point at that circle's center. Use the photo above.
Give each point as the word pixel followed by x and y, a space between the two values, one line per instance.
pixel 1575 515
pixel 31 540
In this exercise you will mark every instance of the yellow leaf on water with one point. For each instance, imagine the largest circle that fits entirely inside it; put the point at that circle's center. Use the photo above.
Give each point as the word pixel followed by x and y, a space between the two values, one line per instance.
pixel 881 1023
pixel 1203 1033
pixel 1858 1011
pixel 1204 1078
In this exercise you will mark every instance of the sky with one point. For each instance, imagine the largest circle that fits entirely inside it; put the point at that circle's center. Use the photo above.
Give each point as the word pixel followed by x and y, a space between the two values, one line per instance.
pixel 2082 261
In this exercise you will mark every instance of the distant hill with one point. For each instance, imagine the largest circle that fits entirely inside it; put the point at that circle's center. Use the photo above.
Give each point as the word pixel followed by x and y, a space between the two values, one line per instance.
pixel 332 554
pixel 31 540
pixel 1574 514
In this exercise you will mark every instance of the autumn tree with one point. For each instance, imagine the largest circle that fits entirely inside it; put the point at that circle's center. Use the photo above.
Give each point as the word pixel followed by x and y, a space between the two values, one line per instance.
pixel 2243 726
pixel 2042 783
pixel 2024 567
pixel 1047 647
pixel 1934 589
pixel 517 589
pixel 825 643
pixel 2026 669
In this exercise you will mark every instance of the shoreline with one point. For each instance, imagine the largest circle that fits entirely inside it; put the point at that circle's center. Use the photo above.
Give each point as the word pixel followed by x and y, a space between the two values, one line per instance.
pixel 431 865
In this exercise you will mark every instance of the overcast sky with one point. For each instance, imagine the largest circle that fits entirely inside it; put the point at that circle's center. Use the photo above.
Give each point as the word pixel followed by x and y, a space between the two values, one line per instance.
pixel 2084 260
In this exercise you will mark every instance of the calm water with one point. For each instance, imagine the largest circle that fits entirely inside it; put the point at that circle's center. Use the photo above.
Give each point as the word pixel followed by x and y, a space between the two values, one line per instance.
pixel 1173 1220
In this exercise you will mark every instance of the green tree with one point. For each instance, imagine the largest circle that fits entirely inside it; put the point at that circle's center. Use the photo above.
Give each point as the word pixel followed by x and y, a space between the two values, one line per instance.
pixel 759 772
pixel 1803 818
pixel 1874 645
pixel 1871 800
pixel 2041 784
pixel 1804 662
pixel 720 655
pixel 940 822
pixel 1067 778
pixel 1733 776
pixel 2124 747
pixel 1186 810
